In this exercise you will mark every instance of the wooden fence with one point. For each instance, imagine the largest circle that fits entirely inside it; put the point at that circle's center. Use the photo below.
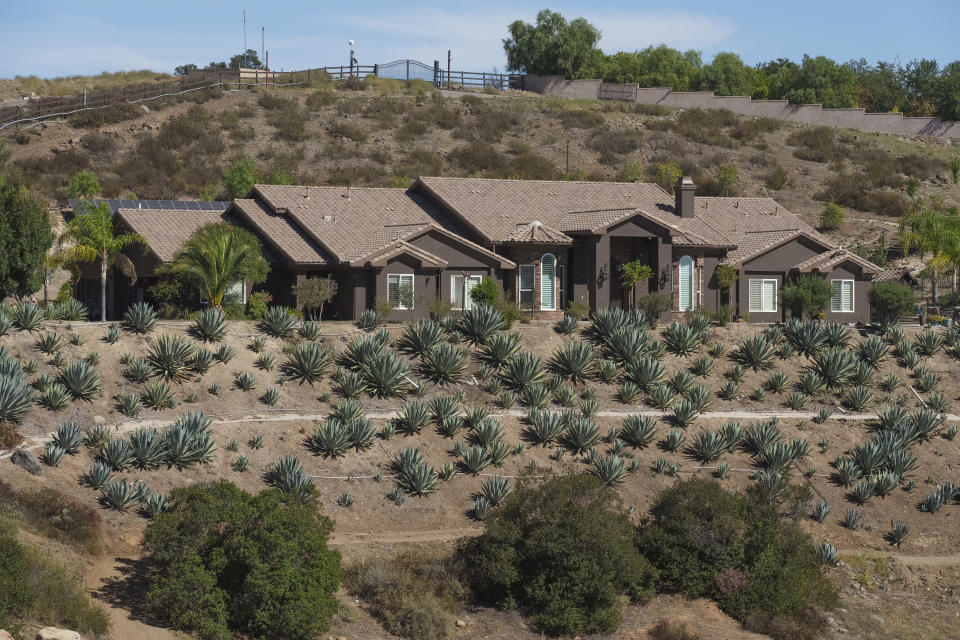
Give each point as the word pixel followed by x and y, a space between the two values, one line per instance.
pixel 34 111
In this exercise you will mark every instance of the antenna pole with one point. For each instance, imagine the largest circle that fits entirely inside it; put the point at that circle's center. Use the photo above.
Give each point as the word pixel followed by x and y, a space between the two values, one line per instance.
pixel 244 30
pixel 263 32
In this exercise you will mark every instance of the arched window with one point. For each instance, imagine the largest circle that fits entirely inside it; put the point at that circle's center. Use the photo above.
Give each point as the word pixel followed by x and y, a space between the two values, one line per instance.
pixel 685 284
pixel 548 282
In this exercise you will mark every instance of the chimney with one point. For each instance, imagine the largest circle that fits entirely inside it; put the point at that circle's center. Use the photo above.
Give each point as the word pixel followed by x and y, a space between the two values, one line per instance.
pixel 684 191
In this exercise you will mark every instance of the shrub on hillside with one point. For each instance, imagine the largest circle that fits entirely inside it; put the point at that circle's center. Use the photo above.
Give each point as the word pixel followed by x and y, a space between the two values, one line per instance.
pixel 891 300
pixel 223 561
pixel 562 552
pixel 478 157
pixel 54 515
pixel 818 144
pixel 735 548
pixel 831 217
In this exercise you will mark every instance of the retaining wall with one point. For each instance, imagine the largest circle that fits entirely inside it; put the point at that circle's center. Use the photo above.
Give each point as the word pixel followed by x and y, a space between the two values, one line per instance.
pixel 813 114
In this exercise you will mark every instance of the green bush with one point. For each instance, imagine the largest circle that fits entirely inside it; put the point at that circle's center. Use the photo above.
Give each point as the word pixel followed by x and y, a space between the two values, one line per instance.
pixel 831 217
pixel 223 561
pixel 240 177
pixel 737 549
pixel 486 292
pixel 54 515
pixel 891 300
pixel 654 305
pixel 562 552
pixel 808 294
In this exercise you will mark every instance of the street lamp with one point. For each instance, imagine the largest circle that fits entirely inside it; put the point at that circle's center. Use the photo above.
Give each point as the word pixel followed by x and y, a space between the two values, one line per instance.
pixel 353 59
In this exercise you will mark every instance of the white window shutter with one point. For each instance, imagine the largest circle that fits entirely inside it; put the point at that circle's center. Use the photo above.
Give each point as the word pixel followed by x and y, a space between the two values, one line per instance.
pixel 847 295
pixel 836 302
pixel 456 291
pixel 527 277
pixel 755 294
pixel 769 302
pixel 393 290
pixel 685 283
pixel 548 266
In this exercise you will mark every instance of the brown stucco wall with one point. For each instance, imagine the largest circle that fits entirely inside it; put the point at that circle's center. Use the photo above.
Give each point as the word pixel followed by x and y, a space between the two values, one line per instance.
pixel 424 287
pixel 531 254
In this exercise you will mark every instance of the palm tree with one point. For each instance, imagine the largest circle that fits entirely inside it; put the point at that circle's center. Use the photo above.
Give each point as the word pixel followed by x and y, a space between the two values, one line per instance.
pixel 923 230
pixel 217 257
pixel 92 239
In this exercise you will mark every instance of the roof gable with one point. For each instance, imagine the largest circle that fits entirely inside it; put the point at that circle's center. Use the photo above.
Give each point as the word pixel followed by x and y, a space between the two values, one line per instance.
pixel 166 230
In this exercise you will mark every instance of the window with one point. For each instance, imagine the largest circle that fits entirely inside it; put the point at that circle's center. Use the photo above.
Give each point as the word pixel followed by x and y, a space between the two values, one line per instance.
pixel 527 275
pixel 763 295
pixel 685 284
pixel 842 299
pixel 548 282
pixel 237 291
pixel 460 294
pixel 400 290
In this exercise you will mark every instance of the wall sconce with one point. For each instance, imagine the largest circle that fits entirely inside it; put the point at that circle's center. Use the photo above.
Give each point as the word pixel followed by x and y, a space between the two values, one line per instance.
pixel 602 275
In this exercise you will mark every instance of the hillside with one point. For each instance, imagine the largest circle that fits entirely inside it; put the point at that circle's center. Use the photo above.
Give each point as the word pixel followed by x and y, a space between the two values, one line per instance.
pixel 383 134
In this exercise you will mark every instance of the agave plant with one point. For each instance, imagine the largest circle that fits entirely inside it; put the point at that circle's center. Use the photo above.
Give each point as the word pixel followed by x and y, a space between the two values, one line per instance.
pixel 49 343
pixel 53 454
pixel 684 413
pixel 659 396
pixel 820 511
pixel 487 432
pixel 481 506
pixel 81 380
pixel 419 337
pixel 287 475
pixel 157 396
pixel 580 435
pixel 257 343
pixel 627 343
pixel 808 337
pixel 681 381
pixel 522 370
pixel 278 322
pixel 55 397
pixel 728 390
pixel 347 411
pixel 69 437
pixel 858 398
pixel 607 371
pixel 702 366
pixel 811 383
pixel 499 348
pixel 119 495
pixel 567 325
pixel 605 322
pixel 610 469
pixel 862 491
pixel 309 330
pixel 413 417
pixel 836 335
pixel 480 323
pixel 777 382
pixel 412 473
pixel 270 396
pixel 536 396
pixel 759 436
pixel 629 393
pixel 699 397
pixel 796 401
pixel 638 431
pixel 925 381
pixel 681 339
pixel 369 320
pixel 872 351
pixel 928 343
pixel 835 366
pixel 210 325
pixel 97 475
pixel 708 446
pixel 386 374
pixel 149 448
pixel 138 371
pixel 644 372
pixel 674 440
pixel 27 316
pixel 475 459
pixel 444 364
pixel 826 553
pixel 574 361
pixel 244 380
pixel 545 428
pixel 170 357
pixel 118 454
pixel 495 490
pixel 140 318
pixel 755 352
pixel 307 362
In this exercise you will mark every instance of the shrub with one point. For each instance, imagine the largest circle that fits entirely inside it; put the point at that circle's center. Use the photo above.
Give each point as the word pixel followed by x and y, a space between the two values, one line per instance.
pixel 831 217
pixel 807 294
pixel 278 322
pixel 312 293
pixel 571 584
pixel 273 547
pixel 140 318
pixel 654 305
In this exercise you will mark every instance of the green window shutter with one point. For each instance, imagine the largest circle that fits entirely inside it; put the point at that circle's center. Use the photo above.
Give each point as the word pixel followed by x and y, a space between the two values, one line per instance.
pixel 548 265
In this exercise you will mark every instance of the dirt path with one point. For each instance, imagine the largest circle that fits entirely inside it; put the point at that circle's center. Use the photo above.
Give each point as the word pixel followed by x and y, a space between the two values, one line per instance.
pixel 906 559
pixel 112 580
pixel 380 536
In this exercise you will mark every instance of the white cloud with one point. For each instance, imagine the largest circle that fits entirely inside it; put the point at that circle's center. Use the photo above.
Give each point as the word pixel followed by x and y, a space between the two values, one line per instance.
pixel 629 31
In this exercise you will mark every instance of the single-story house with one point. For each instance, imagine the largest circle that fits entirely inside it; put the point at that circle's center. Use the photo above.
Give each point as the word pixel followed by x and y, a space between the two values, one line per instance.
pixel 546 244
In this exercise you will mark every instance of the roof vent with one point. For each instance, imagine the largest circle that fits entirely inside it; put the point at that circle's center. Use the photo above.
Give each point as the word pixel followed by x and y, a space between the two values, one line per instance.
pixel 306 192
pixel 535 224
pixel 328 218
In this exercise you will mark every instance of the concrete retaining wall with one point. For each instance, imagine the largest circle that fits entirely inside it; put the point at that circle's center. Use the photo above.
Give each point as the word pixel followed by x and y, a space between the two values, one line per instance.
pixel 812 114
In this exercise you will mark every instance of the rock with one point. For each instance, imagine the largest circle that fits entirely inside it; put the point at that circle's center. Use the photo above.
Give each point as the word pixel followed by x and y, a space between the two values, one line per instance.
pixel 145 108
pixel 99 419
pixel 52 633
pixel 4 635
pixel 461 623
pixel 27 461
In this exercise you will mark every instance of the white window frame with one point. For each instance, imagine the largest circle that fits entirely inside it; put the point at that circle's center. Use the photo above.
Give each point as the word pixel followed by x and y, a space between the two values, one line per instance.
pixel 553 284
pixel 691 284
pixel 836 295
pixel 400 278
pixel 533 285
pixel 758 307
pixel 464 287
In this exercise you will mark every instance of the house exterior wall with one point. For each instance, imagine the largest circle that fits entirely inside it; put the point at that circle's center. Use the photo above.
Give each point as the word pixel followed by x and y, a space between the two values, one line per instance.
pixel 861 304
pixel 743 297
pixel 424 287
pixel 461 260
pixel 531 254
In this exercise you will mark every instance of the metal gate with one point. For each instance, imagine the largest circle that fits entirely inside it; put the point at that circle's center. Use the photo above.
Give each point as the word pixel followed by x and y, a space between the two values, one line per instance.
pixel 407 70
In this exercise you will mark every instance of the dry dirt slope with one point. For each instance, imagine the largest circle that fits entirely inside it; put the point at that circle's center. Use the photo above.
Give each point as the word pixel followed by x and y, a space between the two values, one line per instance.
pixel 382 136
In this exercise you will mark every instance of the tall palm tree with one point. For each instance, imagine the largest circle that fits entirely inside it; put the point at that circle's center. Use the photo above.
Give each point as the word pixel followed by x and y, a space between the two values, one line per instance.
pixel 216 257
pixel 923 230
pixel 91 238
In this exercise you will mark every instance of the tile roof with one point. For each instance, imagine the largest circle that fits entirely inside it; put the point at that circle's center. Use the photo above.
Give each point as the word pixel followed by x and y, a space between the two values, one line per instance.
pixel 894 273
pixel 290 239
pixel 495 208
pixel 829 259
pixel 165 230
pixel 402 247
pixel 352 223
pixel 535 233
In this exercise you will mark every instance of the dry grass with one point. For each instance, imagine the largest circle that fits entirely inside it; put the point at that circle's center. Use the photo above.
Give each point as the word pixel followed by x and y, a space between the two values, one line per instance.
pixel 69 85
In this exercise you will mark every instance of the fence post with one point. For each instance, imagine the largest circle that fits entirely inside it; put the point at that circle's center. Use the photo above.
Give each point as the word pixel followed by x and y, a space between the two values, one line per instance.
pixel 408 71
pixel 376 70
pixel 308 76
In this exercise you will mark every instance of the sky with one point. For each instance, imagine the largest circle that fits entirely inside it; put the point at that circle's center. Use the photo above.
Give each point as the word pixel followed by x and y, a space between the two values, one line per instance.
pixel 59 38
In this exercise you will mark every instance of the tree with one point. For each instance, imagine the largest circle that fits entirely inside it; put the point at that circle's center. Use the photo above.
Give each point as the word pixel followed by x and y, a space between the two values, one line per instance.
pixel 90 237
pixel 246 60
pixel 667 176
pixel 225 562
pixel 832 216
pixel 216 257
pixel 928 231
pixel 552 46
pixel 83 184
pixel 562 552
pixel 725 276
pixel 633 273
pixel 808 294
pixel 727 75
pixel 185 69
pixel 25 236
pixel 891 300
pixel 659 66
pixel 240 177
pixel 726 176
pixel 485 292
pixel 313 293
